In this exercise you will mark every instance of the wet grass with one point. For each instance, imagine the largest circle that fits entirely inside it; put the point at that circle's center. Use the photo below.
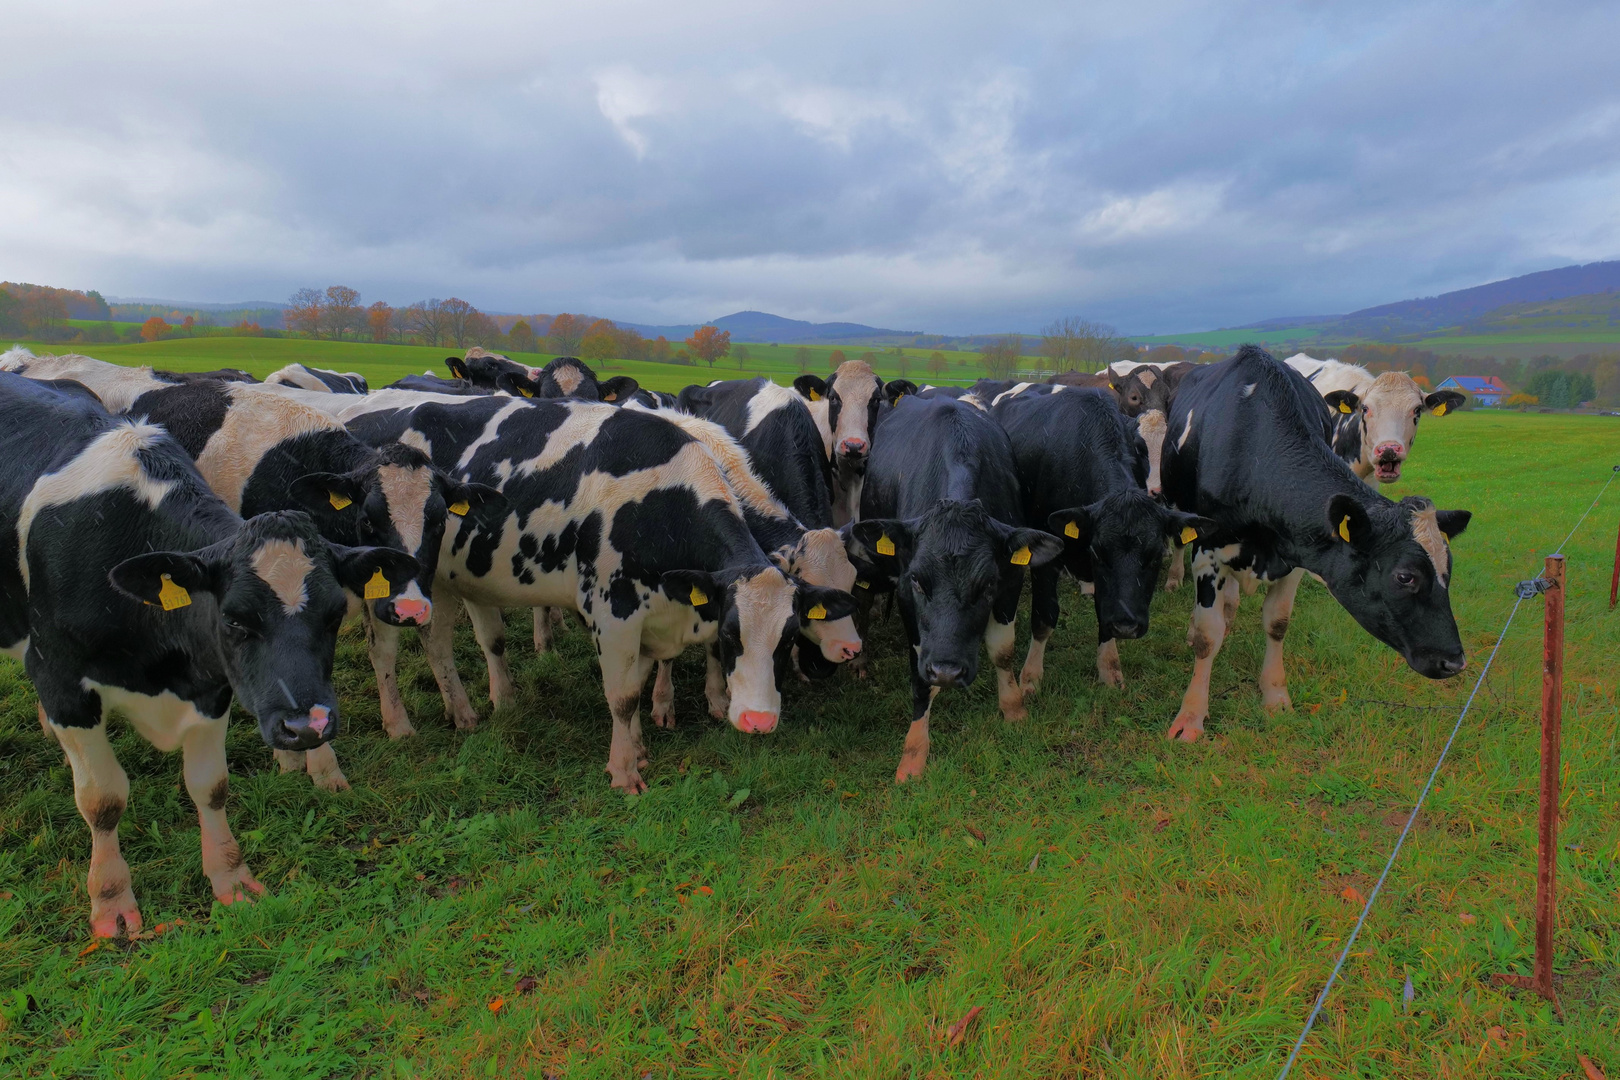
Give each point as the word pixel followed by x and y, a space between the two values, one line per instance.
pixel 483 904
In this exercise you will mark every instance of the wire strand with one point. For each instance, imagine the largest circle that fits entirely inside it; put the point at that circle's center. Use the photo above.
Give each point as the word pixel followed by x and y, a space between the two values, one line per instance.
pixel 1589 509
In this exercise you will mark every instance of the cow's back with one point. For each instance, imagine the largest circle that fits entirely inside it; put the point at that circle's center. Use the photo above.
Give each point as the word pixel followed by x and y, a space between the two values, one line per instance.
pixel 940 448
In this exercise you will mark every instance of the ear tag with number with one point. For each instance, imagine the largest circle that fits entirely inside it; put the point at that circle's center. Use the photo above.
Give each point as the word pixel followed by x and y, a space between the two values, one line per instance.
pixel 814 396
pixel 525 391
pixel 699 597
pixel 1188 535
pixel 1344 528
pixel 863 584
pixel 459 508
pixel 1440 409
pixel 611 397
pixel 173 596
pixel 1020 557
pixel 1344 407
pixel 338 499
pixel 885 546
pixel 377 588
pixel 817 612
pixel 1072 531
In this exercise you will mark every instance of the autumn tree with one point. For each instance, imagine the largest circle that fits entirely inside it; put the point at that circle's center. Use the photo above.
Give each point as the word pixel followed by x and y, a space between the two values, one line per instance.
pixel 836 360
pixel 379 317
pixel 801 356
pixel 630 344
pixel 457 319
pixel 742 356
pixel 483 330
pixel 303 312
pixel 399 323
pixel 565 335
pixel 340 311
pixel 155 329
pixel 937 362
pixel 660 349
pixel 1000 357
pixel 597 348
pixel 709 343
pixel 521 337
pixel 189 325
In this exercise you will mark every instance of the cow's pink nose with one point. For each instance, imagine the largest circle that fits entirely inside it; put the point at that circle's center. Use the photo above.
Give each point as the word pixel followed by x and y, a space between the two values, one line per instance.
pixel 853 446
pixel 319 717
pixel 1389 449
pixel 415 611
pixel 844 650
pixel 756 723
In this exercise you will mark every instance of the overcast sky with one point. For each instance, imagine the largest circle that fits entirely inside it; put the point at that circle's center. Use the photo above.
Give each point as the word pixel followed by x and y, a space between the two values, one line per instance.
pixel 948 167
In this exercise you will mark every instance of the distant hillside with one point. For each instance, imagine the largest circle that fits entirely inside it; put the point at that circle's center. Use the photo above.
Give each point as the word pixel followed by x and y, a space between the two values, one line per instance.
pixel 763 326
pixel 1453 308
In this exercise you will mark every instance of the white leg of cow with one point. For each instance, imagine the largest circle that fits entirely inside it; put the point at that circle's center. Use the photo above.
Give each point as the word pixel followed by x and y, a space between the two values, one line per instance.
pixel 324 770
pixel 490 630
pixel 101 791
pixel 1279 607
pixel 915 755
pixel 1178 567
pixel 663 695
pixel 382 643
pixel 289 760
pixel 624 673
pixel 1029 680
pixel 1109 672
pixel 202 754
pixel 1208 630
pixel 438 642
pixel 50 733
pixel 999 641
pixel 544 637
pixel 714 685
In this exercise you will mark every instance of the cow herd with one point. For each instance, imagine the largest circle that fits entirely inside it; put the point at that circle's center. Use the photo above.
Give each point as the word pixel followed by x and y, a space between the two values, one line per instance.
pixel 169 542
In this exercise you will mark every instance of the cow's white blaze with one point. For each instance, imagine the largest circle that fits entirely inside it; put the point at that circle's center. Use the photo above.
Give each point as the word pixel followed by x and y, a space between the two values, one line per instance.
pixel 1153 426
pixel 407 490
pixel 764 609
pixel 854 383
pixel 283 565
pixel 821 559
pixel 1426 531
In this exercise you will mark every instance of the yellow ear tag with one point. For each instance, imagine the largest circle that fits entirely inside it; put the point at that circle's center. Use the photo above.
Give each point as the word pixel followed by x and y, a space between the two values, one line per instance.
pixel 1072 531
pixel 1020 557
pixel 814 396
pixel 1344 407
pixel 338 499
pixel 173 596
pixel 863 584
pixel 699 597
pixel 377 588
pixel 525 391
pixel 1344 528
pixel 611 397
pixel 1188 535
pixel 459 508
pixel 885 546
pixel 1440 409
pixel 817 612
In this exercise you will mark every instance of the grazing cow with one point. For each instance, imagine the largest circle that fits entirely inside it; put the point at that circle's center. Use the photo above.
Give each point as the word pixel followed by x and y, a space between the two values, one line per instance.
pixel 1080 468
pixel 941 521
pixel 623 517
pixel 484 369
pixel 1375 419
pixel 115 385
pixel 845 408
pixel 127 585
pixel 1248 449
pixel 261 451
pixel 319 380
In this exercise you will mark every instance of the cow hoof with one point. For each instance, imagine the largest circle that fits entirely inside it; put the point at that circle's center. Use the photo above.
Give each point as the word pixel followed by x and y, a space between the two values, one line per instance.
pixel 1277 702
pixel 1014 712
pixel 908 771
pixel 233 886
pixel 630 782
pixel 1186 728
pixel 333 782
pixel 1030 685
pixel 1111 677
pixel 289 760
pixel 469 722
pixel 663 719
pixel 403 729
pixel 105 914
pixel 1172 586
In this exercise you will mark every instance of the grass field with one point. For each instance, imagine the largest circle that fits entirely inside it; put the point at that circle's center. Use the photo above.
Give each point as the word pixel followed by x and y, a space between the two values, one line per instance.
pixel 1119 906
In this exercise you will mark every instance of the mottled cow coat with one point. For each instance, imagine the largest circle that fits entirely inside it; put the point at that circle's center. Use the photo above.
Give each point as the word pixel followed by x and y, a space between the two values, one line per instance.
pixel 319 379
pixel 127 585
pixel 114 385
pixel 1248 448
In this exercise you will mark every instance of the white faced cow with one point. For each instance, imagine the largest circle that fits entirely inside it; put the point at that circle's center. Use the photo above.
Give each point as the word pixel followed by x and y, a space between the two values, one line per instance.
pixel 845 408
pixel 1375 418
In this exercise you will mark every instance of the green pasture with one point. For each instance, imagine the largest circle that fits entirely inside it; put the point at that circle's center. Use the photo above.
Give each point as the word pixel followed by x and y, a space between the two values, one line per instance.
pixel 483 904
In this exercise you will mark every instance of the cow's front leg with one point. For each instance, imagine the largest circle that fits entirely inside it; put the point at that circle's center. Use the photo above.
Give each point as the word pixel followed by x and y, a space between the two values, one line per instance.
pixel 438 642
pixel 714 684
pixel 324 770
pixel 663 695
pixel 382 644
pixel 999 640
pixel 1178 566
pixel 624 673
pixel 1217 593
pixel 101 792
pixel 490 630
pixel 202 751
pixel 915 755
pixel 1279 607
pixel 1109 673
pixel 1043 612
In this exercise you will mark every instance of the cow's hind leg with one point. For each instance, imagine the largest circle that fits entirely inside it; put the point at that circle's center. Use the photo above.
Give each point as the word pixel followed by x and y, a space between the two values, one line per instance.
pixel 490 630
pixel 101 792
pixel 1043 608
pixel 1279 607
pixel 438 643
pixel 382 643
pixel 1217 593
pixel 547 625
pixel 663 695
pixel 208 782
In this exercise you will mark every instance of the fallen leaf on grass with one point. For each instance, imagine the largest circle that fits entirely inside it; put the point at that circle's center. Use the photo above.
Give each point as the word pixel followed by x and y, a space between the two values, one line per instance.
pixel 1353 894
pixel 1036 861
pixel 1161 821
pixel 527 984
pixel 977 835
pixel 157 931
pixel 1497 1034
pixel 1592 1071
pixel 497 1005
pixel 90 948
pixel 1466 918
pixel 959 1029
pixel 5 895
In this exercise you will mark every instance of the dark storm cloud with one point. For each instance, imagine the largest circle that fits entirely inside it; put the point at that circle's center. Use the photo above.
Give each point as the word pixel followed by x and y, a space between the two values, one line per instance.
pixel 957 168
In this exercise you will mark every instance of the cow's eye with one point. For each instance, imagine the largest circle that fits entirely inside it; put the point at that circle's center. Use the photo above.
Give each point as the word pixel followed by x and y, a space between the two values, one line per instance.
pixel 1406 579
pixel 236 626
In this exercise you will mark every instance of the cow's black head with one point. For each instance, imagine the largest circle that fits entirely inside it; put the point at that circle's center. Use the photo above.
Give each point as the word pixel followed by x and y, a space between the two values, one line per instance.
pixel 1118 544
pixel 274 595
pixel 569 377
pixel 1389 564
pixel 948 566
pixel 483 368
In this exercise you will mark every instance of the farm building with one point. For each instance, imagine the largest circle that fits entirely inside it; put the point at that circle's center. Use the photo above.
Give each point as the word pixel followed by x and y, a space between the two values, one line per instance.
pixel 1486 390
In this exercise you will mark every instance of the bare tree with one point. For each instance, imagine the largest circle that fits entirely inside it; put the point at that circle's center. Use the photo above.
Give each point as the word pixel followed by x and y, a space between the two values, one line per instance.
pixel 399 323
pixel 1001 356
pixel 340 311
pixel 457 319
pixel 303 312
pixel 426 320
pixel 1074 344
pixel 483 330
pixel 801 356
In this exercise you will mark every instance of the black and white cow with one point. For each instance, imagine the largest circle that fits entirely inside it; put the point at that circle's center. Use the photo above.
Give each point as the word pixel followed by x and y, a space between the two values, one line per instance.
pixel 845 408
pixel 115 385
pixel 1247 448
pixel 430 383
pixel 224 374
pixel 127 585
pixel 1080 467
pixel 621 516
pixel 941 521
pixel 319 380
pixel 1375 418
pixel 484 369
pixel 773 424
pixel 261 451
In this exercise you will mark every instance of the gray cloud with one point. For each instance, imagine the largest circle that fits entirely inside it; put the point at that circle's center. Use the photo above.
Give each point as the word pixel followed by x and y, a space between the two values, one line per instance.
pixel 950 167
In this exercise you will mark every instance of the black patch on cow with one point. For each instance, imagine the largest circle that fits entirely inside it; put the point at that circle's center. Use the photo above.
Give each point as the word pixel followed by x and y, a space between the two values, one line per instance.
pixel 623 596
pixel 192 412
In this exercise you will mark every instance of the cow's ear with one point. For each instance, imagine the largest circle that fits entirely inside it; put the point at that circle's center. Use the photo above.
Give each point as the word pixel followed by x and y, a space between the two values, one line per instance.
pixel 1073 524
pixel 322 494
pixel 1349 523
pixel 458 369
pixel 1443 401
pixel 375 573
pixel 619 388
pixel 165 579
pixel 517 385
pixel 1453 522
pixel 1184 528
pixel 463 499
pixel 1342 401
pixel 886 543
pixel 697 589
pixel 896 389
pixel 816 604
pixel 1027 547
pixel 811 387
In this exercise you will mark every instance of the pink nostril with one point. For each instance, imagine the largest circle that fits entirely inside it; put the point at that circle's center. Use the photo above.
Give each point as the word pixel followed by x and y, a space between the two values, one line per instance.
pixel 756 723
pixel 415 611
pixel 319 717
pixel 853 446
